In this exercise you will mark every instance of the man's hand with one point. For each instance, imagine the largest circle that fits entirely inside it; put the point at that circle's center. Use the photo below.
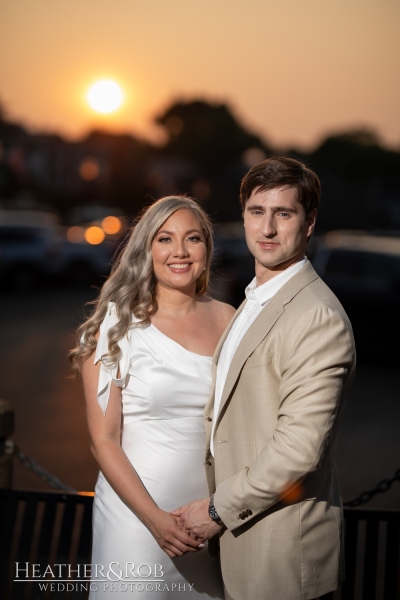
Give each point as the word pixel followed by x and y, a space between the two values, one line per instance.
pixel 194 519
pixel 170 536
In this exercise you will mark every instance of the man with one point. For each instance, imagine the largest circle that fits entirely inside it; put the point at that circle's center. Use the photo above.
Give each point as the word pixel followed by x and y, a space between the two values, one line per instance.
pixel 281 372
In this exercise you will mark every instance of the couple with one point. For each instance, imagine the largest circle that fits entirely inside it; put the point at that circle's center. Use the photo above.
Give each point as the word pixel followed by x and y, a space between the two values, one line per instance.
pixel 280 372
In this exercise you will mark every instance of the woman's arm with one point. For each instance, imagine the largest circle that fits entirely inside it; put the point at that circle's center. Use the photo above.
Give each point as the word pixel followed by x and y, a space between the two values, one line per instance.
pixel 105 434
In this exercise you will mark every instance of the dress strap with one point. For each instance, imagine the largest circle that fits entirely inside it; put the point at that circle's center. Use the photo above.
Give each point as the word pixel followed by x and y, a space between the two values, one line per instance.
pixel 108 373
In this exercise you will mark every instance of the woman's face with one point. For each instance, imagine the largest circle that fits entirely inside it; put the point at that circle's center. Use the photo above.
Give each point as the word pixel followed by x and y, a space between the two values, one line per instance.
pixel 179 251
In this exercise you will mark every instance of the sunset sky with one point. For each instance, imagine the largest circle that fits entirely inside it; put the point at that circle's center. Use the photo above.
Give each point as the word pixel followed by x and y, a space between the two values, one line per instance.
pixel 291 70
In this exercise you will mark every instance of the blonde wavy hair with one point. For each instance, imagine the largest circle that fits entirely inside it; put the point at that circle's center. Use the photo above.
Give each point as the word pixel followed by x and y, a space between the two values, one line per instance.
pixel 132 285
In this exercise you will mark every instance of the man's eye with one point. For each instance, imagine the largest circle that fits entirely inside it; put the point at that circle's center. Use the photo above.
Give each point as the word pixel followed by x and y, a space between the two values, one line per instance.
pixel 256 212
pixel 283 214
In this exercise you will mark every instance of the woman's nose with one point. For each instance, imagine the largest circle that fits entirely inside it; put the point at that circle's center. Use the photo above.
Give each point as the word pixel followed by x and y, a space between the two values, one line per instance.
pixel 180 249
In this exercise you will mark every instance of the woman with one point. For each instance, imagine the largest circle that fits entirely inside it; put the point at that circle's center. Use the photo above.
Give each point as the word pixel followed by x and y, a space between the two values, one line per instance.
pixel 152 337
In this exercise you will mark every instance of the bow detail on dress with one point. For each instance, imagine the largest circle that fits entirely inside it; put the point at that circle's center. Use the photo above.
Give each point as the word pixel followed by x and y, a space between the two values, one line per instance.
pixel 108 373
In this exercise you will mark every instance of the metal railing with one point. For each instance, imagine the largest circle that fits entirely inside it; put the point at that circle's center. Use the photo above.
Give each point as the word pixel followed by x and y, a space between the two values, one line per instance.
pixel 49 528
pixel 43 528
pixel 372 555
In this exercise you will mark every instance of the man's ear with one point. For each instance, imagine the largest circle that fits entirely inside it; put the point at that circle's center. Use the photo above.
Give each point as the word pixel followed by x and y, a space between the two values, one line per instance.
pixel 311 219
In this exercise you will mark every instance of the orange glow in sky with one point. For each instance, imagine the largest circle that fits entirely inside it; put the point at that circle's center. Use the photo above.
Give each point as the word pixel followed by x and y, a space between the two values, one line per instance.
pixel 291 71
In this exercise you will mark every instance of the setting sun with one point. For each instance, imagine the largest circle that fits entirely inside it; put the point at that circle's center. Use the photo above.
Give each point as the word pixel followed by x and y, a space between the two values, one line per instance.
pixel 105 96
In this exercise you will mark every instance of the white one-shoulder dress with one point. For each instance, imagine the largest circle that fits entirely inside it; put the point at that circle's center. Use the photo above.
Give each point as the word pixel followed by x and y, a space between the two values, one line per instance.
pixel 164 390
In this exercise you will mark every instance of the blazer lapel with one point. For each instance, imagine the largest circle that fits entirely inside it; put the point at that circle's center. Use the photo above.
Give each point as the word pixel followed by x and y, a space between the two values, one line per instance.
pixel 260 328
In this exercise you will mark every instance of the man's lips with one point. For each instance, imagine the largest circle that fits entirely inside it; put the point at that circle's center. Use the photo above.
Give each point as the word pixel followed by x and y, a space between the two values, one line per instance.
pixel 268 245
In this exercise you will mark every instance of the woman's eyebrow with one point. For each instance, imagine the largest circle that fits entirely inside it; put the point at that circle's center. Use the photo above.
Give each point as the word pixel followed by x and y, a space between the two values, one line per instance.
pixel 172 232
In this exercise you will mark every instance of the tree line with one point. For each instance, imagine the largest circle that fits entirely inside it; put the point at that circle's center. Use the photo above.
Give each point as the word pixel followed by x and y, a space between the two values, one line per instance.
pixel 207 151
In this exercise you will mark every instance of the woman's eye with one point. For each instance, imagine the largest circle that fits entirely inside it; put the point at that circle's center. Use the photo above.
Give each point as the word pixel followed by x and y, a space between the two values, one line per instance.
pixel 194 238
pixel 163 239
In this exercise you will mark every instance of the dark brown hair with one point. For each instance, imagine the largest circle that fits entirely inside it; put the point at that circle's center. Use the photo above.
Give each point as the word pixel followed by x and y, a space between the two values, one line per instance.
pixel 283 172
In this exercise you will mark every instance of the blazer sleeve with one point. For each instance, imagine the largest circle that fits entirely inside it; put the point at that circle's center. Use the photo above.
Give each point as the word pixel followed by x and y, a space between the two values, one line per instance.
pixel 316 360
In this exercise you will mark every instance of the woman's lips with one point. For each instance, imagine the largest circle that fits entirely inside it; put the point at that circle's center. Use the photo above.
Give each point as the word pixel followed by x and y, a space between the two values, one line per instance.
pixel 180 267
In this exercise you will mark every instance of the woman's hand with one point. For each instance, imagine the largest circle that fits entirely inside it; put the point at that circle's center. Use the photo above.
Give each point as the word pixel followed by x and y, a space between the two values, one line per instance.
pixel 170 537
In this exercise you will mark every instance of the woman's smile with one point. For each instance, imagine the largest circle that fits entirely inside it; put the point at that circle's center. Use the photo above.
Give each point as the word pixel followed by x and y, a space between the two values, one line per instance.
pixel 180 267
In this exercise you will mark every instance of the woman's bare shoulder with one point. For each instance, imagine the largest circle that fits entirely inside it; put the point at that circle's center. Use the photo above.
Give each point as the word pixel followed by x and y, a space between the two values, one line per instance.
pixel 221 310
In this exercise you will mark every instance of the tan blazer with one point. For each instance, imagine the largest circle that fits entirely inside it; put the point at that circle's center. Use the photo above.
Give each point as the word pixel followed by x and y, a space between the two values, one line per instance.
pixel 275 438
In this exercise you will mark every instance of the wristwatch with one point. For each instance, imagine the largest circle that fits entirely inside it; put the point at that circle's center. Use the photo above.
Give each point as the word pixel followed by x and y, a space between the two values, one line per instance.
pixel 212 511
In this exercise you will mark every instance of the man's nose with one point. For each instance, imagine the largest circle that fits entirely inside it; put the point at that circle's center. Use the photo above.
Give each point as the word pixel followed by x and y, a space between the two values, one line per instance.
pixel 268 227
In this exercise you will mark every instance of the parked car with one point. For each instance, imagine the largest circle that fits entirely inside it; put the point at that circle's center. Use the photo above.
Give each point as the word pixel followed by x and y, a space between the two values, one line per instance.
pixel 34 248
pixel 363 270
pixel 83 263
pixel 28 254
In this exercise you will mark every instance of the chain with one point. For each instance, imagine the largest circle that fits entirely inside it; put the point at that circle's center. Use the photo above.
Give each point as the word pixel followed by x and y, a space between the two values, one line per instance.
pixel 32 465
pixel 29 463
pixel 382 487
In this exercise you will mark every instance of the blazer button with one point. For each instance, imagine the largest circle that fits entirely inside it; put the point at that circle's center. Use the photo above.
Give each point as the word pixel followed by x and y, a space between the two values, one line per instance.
pixel 209 463
pixel 209 419
pixel 249 512
pixel 241 516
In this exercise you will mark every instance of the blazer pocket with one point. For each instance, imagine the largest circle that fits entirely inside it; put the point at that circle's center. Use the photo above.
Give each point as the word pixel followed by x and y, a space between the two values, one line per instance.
pixel 258 360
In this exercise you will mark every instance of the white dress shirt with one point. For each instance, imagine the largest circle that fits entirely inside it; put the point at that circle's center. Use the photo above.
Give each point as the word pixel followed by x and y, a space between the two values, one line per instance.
pixel 257 298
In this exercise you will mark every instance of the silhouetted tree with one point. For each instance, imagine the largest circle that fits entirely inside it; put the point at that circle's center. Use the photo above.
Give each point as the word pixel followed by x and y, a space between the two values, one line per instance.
pixel 359 177
pixel 357 154
pixel 206 133
pixel 124 160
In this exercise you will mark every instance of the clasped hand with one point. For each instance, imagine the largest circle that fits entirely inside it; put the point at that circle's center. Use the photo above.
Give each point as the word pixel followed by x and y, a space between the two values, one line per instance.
pixel 194 519
pixel 171 537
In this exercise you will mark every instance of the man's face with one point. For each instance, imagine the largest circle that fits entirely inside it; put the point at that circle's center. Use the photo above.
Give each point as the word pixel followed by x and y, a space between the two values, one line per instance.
pixel 276 229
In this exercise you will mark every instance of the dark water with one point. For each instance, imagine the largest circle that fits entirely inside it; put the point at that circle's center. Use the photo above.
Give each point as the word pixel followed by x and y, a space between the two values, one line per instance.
pixel 37 329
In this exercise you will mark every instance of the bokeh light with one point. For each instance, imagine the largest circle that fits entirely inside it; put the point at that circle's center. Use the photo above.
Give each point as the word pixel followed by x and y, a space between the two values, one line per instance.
pixel 111 225
pixel 253 156
pixel 333 239
pixel 201 188
pixel 292 494
pixel 89 169
pixel 94 235
pixel 75 234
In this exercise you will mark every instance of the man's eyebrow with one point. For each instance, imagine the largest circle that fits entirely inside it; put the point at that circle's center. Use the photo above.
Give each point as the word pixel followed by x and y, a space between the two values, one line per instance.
pixel 255 207
pixel 284 209
pixel 273 208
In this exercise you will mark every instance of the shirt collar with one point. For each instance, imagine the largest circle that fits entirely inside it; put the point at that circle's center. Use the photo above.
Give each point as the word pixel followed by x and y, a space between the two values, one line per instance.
pixel 264 292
